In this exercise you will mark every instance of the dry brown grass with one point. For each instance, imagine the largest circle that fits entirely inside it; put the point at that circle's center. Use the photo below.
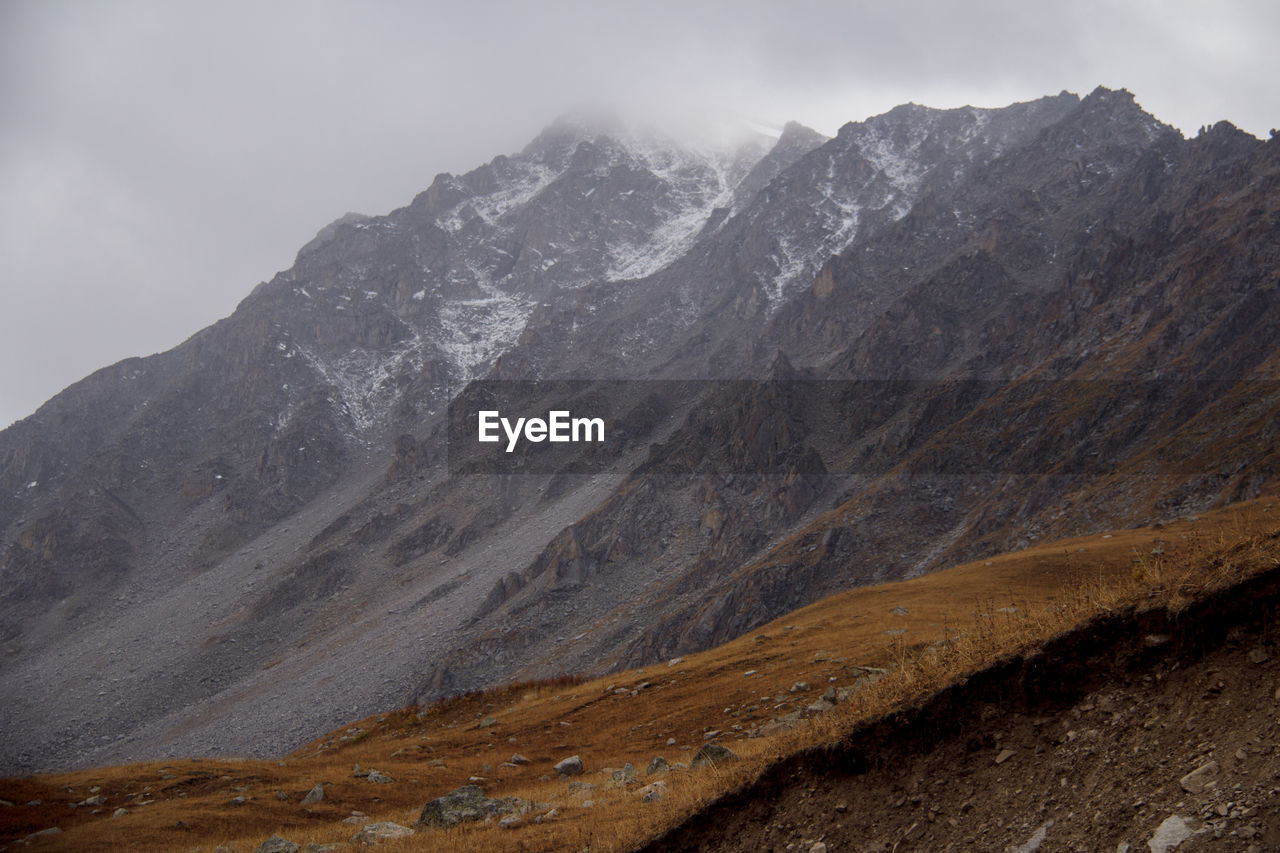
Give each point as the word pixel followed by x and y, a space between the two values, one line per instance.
pixel 955 622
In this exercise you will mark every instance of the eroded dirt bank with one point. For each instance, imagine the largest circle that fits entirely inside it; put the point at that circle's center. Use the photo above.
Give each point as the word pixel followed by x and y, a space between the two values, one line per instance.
pixel 1142 730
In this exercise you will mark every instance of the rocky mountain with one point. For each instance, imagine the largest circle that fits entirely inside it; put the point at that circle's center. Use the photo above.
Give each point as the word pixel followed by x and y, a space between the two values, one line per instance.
pixel 830 361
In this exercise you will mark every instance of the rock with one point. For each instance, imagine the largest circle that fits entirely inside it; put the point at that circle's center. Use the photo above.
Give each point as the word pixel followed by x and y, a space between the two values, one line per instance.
pixel 488 721
pixel 1197 780
pixel 1032 844
pixel 551 815
pixel 464 805
pixel 383 830
pixel 580 786
pixel 800 687
pixel 44 833
pixel 511 821
pixel 818 847
pixel 121 812
pixel 1259 656
pixel 714 733
pixel 713 753
pixel 571 766
pixel 775 726
pixel 657 765
pixel 654 792
pixel 379 777
pixel 238 801
pixel 276 844
pixel 315 795
pixel 94 801
pixel 312 847
pixel 821 706
pixel 1005 755
pixel 830 695
pixel 1172 832
pixel 672 741
pixel 626 776
pixel 519 760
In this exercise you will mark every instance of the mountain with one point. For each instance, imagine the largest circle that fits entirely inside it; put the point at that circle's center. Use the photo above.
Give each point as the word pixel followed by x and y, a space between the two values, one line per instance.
pixel 938 335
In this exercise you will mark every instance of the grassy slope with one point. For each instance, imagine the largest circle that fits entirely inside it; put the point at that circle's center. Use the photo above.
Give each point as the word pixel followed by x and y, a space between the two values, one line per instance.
pixel 954 622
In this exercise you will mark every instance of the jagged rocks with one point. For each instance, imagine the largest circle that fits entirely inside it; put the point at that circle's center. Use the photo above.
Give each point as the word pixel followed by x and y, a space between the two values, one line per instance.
pixel 379 777
pixel 657 765
pixel 571 766
pixel 315 795
pixel 713 753
pixel 464 805
pixel 518 760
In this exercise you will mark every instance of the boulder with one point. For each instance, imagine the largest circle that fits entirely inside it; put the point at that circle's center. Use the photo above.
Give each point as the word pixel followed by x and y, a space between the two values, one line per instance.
pixel 571 766
pixel 383 830
pixel 276 844
pixel 464 805
pixel 713 753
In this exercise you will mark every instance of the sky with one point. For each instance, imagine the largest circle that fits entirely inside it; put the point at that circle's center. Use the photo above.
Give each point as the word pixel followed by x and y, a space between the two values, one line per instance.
pixel 159 158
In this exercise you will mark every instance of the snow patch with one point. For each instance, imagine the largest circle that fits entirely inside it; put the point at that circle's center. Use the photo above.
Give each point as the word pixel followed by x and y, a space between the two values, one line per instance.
pixel 700 179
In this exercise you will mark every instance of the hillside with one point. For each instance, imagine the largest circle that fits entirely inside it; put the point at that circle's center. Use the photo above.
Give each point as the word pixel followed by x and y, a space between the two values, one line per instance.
pixel 1128 659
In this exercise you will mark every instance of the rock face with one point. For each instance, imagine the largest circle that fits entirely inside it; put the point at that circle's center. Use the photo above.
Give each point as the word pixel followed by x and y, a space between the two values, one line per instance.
pixel 264 505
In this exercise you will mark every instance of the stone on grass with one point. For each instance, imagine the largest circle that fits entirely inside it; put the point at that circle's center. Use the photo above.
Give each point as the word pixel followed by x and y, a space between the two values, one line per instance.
pixel 626 776
pixel 713 753
pixel 276 844
pixel 654 792
pixel 383 830
pixel 571 766
pixel 315 795
pixel 464 805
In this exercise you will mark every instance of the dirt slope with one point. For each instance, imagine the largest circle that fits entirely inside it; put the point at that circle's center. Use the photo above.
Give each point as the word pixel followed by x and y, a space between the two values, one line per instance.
pixel 1085 744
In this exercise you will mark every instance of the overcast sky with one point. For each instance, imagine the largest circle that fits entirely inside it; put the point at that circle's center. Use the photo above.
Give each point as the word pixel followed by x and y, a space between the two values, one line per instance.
pixel 158 159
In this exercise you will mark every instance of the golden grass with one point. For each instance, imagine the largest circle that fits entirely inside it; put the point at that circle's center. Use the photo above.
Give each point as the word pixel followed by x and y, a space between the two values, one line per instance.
pixel 926 632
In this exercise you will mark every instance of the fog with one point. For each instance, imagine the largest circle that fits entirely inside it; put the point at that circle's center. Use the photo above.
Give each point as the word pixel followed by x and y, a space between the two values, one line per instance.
pixel 158 159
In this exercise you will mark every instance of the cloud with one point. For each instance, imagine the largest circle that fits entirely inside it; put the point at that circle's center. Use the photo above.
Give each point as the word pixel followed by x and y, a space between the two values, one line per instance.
pixel 157 159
